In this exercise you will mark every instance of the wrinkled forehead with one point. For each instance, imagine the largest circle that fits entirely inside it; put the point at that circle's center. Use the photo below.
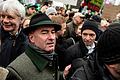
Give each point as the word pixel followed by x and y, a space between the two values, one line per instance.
pixel 89 31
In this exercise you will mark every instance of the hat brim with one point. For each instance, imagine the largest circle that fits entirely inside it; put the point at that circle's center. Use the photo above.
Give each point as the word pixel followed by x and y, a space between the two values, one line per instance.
pixel 33 6
pixel 41 24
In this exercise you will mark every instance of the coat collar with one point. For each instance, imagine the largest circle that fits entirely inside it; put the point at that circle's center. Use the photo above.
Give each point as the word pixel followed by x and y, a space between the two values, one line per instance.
pixel 38 60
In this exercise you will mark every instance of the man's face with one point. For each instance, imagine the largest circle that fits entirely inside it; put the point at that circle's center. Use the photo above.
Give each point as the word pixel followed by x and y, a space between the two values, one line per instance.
pixel 44 38
pixel 88 37
pixel 52 15
pixel 11 22
pixel 78 30
pixel 77 20
pixel 31 10
pixel 114 70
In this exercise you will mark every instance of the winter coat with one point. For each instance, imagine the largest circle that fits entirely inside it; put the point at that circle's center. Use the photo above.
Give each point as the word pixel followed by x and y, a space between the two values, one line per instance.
pixel 11 47
pixel 24 68
pixel 89 69
pixel 61 46
pixel 78 50
pixel 75 51
pixel 70 31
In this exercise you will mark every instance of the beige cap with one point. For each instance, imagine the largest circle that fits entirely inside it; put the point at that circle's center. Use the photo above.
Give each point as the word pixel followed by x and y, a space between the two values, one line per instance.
pixel 79 14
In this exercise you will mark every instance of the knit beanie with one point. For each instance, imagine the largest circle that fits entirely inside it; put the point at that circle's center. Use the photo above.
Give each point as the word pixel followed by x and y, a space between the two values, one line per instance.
pixel 51 10
pixel 92 26
pixel 108 46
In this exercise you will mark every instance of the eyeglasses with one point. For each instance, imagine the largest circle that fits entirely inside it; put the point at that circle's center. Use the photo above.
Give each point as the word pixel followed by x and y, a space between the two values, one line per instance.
pixel 33 8
pixel 59 13
pixel 52 14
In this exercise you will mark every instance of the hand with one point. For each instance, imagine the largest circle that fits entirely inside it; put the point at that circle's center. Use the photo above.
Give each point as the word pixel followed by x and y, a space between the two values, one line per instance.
pixel 66 70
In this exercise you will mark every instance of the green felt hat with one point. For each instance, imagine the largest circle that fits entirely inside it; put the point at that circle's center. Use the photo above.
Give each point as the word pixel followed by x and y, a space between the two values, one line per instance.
pixel 39 20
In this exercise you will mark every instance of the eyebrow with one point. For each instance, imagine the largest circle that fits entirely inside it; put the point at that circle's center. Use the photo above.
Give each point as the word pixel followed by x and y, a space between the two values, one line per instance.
pixel 47 30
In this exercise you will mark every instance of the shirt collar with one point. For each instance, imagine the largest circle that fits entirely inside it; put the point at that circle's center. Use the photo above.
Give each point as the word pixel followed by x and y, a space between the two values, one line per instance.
pixel 91 48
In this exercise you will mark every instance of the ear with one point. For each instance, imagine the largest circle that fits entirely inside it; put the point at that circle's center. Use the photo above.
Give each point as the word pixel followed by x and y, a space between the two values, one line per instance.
pixel 111 66
pixel 31 38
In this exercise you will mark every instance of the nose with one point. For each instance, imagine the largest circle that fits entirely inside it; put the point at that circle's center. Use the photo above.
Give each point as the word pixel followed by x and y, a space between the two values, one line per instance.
pixel 88 37
pixel 51 36
pixel 34 11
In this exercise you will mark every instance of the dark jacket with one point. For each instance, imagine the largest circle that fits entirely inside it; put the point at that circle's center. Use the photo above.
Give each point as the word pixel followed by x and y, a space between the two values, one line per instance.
pixel 70 31
pixel 60 48
pixel 11 47
pixel 78 50
pixel 75 51
pixel 90 70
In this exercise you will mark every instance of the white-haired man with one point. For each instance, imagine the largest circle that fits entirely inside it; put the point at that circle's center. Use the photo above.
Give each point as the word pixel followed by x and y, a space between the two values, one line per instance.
pixel 12 12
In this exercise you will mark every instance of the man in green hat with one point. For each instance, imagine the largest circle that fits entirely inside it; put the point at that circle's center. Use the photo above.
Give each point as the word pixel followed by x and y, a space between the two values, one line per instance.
pixel 30 10
pixel 39 61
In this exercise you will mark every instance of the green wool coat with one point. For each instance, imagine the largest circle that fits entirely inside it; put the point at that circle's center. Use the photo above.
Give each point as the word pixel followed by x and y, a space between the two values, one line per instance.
pixel 23 69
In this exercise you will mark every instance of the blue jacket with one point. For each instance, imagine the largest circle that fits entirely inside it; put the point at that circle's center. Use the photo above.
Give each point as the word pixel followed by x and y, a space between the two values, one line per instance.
pixel 11 47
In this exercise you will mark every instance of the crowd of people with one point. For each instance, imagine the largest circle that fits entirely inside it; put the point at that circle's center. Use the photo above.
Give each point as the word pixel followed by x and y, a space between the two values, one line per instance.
pixel 51 44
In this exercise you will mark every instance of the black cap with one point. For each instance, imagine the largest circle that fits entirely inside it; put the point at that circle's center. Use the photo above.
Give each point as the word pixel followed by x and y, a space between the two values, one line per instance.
pixel 92 26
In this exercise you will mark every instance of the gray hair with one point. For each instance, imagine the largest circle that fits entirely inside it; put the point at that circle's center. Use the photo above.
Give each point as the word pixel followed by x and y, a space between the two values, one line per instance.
pixel 12 6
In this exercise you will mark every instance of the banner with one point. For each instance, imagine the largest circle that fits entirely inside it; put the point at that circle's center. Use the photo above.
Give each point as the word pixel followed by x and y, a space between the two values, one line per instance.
pixel 94 5
pixel 28 1
pixel 97 2
pixel 110 11
pixel 70 2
